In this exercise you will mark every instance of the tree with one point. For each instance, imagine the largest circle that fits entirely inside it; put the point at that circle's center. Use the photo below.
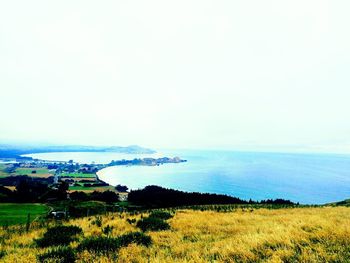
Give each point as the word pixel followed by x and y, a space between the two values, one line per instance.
pixel 121 188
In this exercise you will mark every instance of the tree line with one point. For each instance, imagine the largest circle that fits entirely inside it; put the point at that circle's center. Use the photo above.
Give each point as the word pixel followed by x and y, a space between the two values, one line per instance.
pixel 29 189
pixel 157 197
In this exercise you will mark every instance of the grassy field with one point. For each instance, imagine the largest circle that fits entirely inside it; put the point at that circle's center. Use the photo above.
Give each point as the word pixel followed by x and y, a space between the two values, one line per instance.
pixel 11 214
pixel 39 172
pixel 90 179
pixel 91 189
pixel 2 172
pixel 253 235
pixel 78 175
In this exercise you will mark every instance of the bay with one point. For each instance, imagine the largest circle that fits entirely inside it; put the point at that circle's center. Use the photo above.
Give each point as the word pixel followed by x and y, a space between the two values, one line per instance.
pixel 304 178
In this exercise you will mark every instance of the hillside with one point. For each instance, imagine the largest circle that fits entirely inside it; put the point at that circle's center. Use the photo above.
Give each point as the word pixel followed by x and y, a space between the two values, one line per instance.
pixel 319 234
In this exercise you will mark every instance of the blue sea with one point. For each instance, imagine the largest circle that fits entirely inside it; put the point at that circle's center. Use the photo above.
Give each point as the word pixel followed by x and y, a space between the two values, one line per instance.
pixel 304 178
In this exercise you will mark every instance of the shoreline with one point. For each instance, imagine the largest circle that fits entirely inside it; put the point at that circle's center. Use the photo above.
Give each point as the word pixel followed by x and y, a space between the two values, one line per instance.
pixel 233 176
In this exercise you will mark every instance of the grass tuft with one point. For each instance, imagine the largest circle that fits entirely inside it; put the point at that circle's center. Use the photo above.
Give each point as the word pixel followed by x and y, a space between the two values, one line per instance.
pixel 152 224
pixel 161 215
pixel 58 255
pixel 58 236
pixel 106 245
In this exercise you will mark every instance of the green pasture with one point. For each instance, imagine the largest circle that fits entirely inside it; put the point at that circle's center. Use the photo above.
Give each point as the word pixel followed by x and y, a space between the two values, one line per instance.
pixel 12 214
pixel 93 188
pixel 78 175
pixel 29 171
pixel 2 170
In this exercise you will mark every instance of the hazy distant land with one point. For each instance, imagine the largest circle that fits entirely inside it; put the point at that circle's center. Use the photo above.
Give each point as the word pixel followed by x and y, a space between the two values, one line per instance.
pixel 15 151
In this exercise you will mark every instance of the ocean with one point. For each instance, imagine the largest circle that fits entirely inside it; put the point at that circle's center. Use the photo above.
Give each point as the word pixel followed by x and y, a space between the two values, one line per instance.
pixel 303 178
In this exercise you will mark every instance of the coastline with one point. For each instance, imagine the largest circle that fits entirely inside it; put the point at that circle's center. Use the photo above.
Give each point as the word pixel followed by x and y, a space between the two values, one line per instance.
pixel 317 179
pixel 246 175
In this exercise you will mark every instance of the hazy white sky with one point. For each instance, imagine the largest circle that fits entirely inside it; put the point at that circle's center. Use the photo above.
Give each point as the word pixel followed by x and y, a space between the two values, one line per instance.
pixel 194 74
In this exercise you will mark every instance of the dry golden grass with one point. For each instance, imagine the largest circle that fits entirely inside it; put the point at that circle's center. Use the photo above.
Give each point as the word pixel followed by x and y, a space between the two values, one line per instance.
pixel 282 235
pixel 12 188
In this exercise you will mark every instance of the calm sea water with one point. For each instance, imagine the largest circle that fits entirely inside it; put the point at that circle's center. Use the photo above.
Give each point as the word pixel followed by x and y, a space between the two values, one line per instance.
pixel 304 178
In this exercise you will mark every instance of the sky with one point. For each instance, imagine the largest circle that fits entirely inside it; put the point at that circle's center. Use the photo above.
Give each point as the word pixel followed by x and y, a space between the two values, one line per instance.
pixel 239 75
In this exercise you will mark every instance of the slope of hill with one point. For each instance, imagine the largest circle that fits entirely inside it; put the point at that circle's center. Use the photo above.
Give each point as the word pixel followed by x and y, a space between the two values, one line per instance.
pixel 319 234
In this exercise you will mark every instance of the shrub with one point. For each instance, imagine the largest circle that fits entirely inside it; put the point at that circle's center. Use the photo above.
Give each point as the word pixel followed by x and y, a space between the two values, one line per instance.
pixel 105 245
pixel 121 188
pixel 2 253
pixel 107 230
pixel 58 235
pixel 161 215
pixel 152 224
pixel 69 230
pixel 97 221
pixel 77 195
pixel 138 238
pixel 131 221
pixel 106 196
pixel 60 254
pixel 100 245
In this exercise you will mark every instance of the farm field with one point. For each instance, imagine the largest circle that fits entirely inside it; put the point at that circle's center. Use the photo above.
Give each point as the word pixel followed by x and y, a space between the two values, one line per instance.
pixel 90 189
pixel 11 214
pixel 2 170
pixel 78 175
pixel 79 179
pixel 35 172
pixel 318 234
